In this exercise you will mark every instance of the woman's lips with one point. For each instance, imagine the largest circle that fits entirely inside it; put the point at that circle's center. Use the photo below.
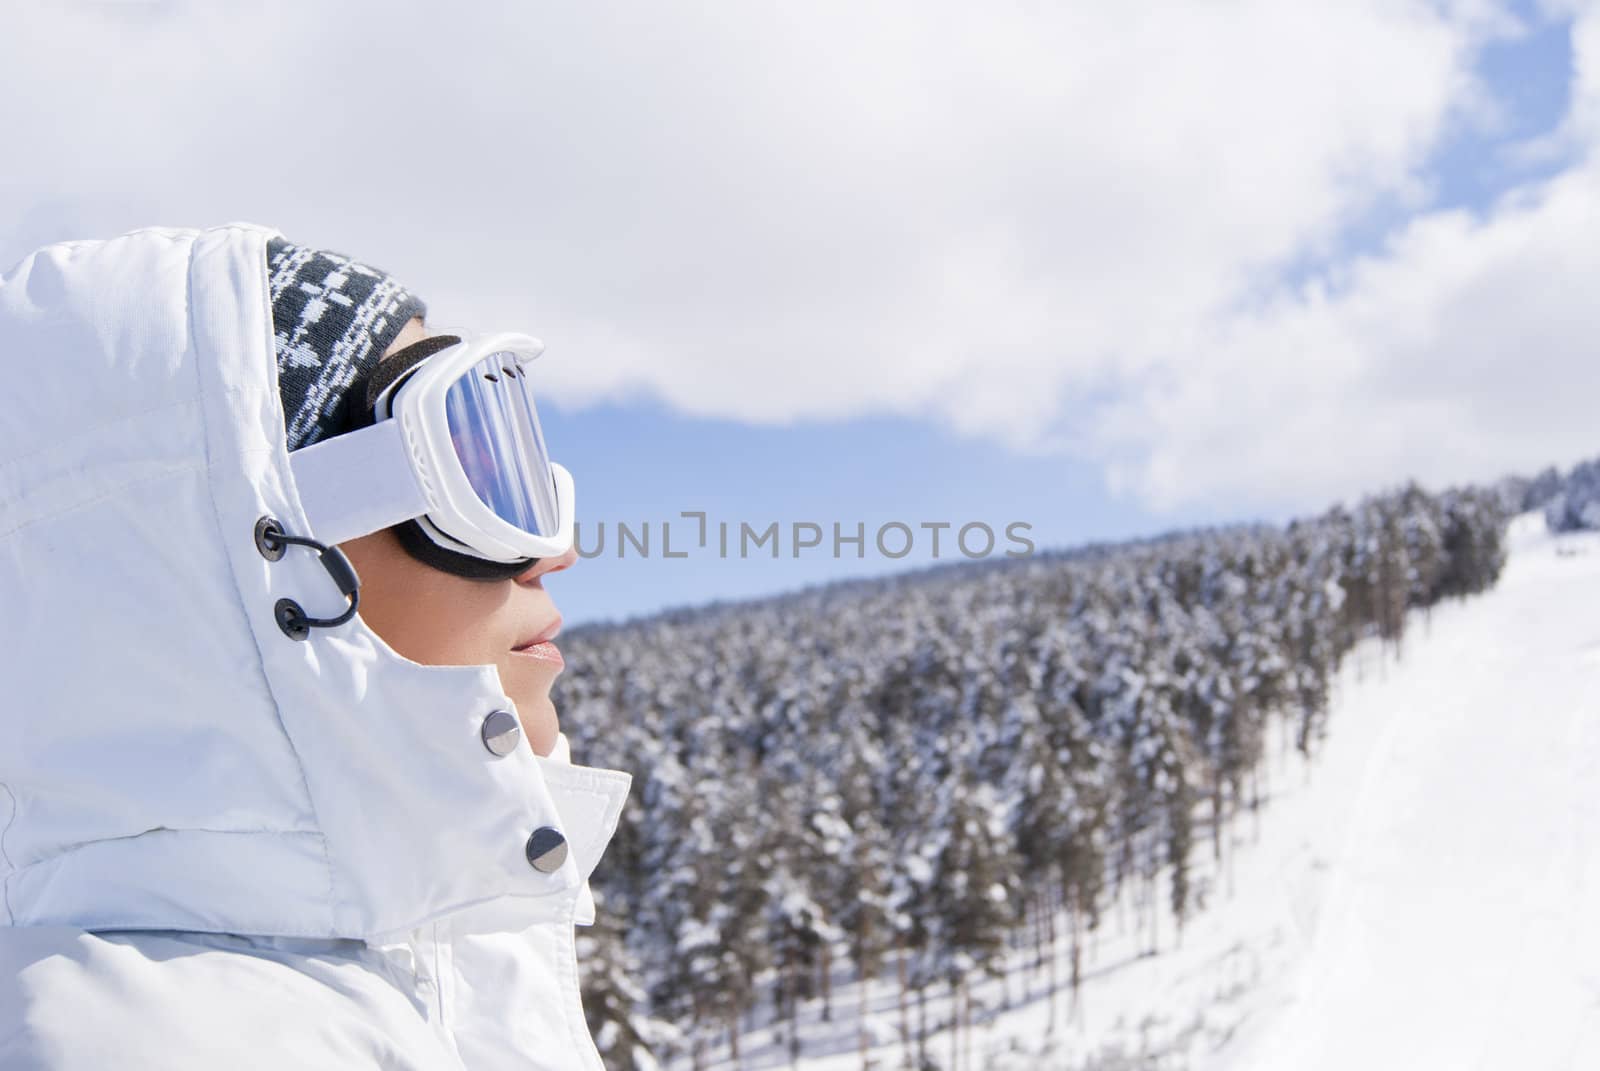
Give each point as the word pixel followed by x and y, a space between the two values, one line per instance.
pixel 545 652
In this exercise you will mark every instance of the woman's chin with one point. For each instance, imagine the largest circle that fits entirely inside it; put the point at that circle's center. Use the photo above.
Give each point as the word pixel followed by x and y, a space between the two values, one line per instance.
pixel 540 723
pixel 528 681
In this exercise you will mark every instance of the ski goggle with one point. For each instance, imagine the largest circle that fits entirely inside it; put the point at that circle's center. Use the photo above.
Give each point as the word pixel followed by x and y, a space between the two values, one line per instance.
pixel 454 457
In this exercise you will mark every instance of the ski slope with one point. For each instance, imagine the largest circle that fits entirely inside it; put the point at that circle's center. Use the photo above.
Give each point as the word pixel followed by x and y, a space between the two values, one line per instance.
pixel 1423 895
pixel 1457 925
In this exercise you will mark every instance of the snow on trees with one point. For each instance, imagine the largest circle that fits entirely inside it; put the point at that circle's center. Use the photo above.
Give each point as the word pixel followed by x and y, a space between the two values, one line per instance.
pixel 905 777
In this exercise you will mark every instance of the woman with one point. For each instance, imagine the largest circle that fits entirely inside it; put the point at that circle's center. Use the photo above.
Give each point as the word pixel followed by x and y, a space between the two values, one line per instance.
pixel 258 809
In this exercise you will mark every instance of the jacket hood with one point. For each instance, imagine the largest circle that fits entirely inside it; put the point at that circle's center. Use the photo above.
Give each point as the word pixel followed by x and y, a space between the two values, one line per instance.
pixel 169 759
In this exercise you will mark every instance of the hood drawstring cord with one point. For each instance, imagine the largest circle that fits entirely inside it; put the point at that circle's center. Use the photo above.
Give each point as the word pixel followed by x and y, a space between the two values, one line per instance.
pixel 272 541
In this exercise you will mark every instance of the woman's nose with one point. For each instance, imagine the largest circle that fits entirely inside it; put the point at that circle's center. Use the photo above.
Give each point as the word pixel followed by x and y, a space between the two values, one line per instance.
pixel 545 566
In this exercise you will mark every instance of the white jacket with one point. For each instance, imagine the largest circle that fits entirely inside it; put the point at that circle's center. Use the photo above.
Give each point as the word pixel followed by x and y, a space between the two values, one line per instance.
pixel 221 847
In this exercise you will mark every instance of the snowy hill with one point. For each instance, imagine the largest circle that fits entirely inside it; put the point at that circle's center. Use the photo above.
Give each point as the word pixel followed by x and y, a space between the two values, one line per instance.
pixel 1458 815
pixel 1420 895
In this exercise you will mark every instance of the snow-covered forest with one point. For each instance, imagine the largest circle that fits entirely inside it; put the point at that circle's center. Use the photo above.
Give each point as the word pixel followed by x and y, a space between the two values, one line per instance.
pixel 899 780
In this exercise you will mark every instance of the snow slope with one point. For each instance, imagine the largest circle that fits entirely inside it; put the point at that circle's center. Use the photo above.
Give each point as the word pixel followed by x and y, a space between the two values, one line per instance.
pixel 1457 928
pixel 1422 895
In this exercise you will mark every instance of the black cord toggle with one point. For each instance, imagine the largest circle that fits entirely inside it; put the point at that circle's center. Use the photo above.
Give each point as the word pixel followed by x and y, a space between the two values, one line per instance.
pixel 272 541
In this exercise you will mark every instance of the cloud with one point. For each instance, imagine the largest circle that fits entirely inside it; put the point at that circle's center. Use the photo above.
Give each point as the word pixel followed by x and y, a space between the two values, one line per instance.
pixel 1061 227
pixel 1463 348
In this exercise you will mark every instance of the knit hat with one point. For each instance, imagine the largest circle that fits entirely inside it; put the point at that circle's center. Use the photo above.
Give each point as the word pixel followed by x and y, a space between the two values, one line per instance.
pixel 332 320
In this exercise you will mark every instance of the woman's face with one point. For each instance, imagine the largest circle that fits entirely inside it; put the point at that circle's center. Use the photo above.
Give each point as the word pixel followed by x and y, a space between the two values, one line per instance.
pixel 437 618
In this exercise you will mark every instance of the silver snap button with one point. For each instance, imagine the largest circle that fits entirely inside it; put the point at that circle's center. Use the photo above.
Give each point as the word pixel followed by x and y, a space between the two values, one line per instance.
pixel 547 850
pixel 501 733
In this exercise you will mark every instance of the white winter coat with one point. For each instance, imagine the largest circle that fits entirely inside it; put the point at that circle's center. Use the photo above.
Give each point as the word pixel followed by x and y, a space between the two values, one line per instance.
pixel 220 847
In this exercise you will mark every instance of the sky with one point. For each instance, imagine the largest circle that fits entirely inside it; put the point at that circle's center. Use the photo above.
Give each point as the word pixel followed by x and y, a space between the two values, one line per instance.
pixel 1095 270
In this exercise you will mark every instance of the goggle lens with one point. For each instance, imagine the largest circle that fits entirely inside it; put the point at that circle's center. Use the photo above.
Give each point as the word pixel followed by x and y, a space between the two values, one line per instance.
pixel 494 428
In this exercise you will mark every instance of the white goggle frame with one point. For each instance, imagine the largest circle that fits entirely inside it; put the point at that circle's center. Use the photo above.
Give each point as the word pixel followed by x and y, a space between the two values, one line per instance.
pixel 405 467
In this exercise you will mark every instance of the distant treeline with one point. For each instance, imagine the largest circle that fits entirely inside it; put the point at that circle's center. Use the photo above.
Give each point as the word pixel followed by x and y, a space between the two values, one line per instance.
pixel 1569 502
pixel 920 772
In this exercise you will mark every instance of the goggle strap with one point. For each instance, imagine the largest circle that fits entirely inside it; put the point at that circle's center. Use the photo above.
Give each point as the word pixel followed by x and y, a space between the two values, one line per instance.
pixel 357 483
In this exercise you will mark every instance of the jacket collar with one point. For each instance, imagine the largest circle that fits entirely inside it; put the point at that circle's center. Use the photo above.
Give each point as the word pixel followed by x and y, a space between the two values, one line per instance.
pixel 589 800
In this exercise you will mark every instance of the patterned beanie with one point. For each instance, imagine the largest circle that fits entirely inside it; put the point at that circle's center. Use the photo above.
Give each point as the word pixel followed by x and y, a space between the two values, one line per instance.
pixel 332 319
